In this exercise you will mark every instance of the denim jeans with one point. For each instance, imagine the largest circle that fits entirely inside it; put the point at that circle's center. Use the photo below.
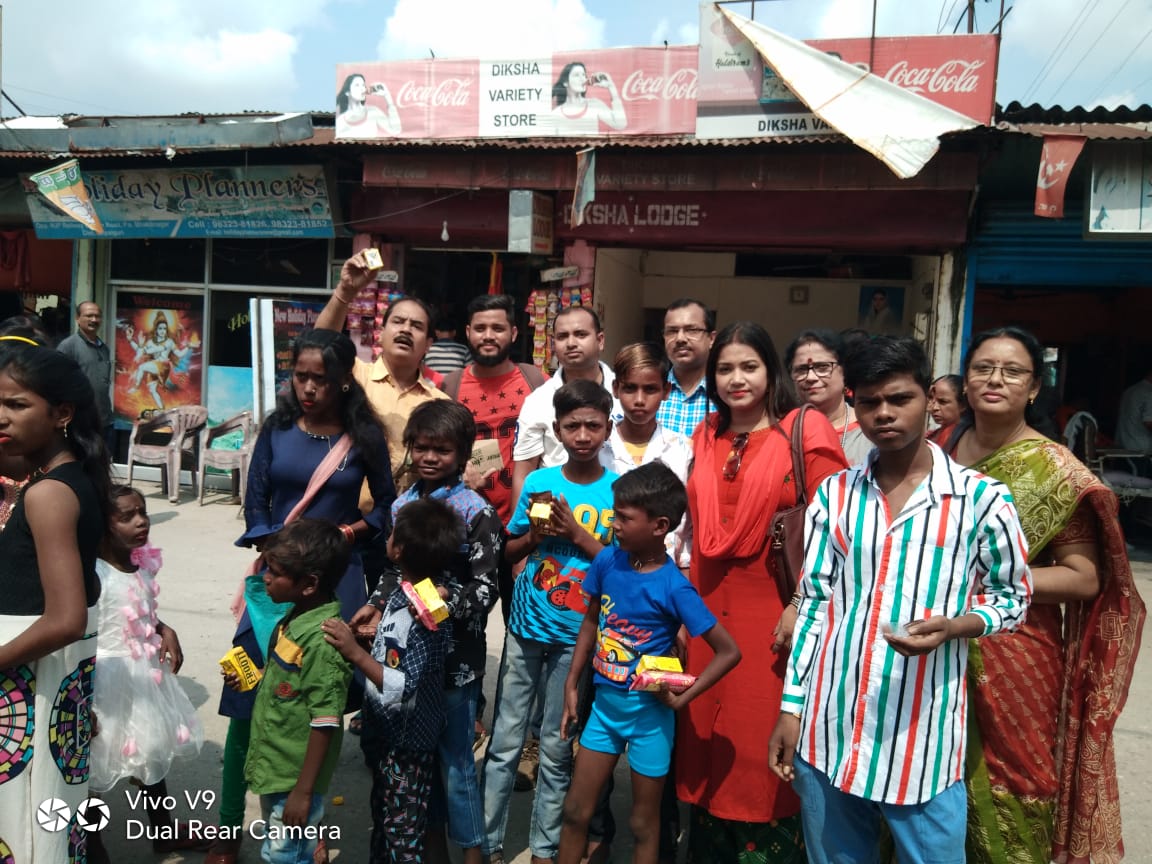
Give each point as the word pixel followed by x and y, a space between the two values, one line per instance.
pixel 278 846
pixel 844 829
pixel 528 670
pixel 457 799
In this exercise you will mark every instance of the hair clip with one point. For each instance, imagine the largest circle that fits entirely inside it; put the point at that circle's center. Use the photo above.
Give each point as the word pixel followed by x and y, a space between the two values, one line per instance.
pixel 32 342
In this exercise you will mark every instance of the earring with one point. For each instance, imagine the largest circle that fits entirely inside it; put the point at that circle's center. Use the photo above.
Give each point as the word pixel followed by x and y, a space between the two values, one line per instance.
pixel 1032 400
pixel 65 431
pixel 345 388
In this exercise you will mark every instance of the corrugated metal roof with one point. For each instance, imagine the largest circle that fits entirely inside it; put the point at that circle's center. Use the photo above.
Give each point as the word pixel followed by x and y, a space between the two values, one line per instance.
pixel 1091 131
pixel 1015 112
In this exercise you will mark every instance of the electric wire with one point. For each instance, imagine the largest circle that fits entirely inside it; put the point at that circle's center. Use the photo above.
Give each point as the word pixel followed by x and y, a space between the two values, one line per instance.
pixel 1103 87
pixel 1058 52
pixel 1092 47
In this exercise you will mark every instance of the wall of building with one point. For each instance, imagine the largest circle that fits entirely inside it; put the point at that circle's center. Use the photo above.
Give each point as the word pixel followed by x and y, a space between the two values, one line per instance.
pixel 619 294
pixel 783 306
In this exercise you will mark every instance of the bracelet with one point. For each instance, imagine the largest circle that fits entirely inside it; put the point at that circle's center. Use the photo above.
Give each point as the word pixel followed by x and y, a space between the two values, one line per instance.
pixel 349 534
pixel 795 601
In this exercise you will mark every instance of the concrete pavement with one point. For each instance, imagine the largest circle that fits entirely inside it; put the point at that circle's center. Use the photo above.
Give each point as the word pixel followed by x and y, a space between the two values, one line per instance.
pixel 201 571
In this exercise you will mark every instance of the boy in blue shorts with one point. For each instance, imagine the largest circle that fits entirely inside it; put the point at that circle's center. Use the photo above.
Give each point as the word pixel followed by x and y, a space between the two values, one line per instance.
pixel 637 602
pixel 548 606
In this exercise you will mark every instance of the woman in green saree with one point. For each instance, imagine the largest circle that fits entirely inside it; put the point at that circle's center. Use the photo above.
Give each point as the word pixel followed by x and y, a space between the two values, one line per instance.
pixel 1041 768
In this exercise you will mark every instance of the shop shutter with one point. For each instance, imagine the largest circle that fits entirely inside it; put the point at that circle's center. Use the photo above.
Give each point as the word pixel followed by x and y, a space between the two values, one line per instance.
pixel 1014 247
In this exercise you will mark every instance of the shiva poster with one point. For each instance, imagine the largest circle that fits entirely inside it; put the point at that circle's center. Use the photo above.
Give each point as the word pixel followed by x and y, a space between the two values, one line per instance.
pixel 158 356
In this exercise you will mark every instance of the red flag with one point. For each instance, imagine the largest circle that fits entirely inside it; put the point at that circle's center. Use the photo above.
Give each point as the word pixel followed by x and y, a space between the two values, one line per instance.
pixel 1056 160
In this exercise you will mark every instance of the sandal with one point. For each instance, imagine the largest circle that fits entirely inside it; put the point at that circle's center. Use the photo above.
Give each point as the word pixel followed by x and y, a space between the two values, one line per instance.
pixel 223 852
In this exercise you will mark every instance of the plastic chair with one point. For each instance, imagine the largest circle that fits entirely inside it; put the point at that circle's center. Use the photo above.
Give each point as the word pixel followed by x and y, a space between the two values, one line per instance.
pixel 180 426
pixel 235 460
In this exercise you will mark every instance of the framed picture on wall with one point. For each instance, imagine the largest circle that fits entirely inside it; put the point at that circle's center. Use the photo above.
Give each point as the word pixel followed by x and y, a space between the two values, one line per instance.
pixel 798 295
pixel 881 310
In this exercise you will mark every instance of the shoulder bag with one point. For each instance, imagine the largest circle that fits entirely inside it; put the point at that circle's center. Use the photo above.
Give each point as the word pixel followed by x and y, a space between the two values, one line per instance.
pixel 786 530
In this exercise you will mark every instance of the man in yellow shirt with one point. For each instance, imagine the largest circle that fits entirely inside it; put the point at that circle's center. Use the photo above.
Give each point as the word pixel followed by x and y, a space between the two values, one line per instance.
pixel 394 382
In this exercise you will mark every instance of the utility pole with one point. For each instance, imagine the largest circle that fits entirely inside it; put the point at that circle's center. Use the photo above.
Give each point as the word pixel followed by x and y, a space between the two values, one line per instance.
pixel 971 16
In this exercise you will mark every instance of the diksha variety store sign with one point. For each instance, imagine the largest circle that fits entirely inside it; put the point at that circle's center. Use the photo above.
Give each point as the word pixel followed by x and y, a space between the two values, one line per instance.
pixel 720 89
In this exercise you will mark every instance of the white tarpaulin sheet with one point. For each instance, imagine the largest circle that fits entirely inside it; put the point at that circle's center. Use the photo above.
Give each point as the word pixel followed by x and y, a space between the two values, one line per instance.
pixel 899 128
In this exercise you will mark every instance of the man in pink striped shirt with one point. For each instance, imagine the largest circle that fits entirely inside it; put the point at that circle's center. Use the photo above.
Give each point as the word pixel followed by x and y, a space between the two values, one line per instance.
pixel 908 556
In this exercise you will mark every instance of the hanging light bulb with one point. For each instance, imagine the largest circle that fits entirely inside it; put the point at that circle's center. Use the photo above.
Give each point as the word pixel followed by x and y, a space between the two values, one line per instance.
pixel 444 232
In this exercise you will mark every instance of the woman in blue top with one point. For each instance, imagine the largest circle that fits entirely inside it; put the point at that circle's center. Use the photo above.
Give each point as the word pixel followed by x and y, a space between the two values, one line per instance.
pixel 323 404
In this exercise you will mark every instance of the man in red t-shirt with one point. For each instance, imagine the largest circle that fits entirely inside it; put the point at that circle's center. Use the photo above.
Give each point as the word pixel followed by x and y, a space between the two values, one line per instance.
pixel 493 388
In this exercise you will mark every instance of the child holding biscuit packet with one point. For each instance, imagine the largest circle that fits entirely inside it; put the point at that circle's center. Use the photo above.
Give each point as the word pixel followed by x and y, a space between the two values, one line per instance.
pixel 637 602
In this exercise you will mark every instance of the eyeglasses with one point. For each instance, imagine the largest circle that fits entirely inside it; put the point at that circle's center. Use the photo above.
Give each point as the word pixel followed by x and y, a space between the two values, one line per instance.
pixel 822 369
pixel 735 456
pixel 1009 374
pixel 692 334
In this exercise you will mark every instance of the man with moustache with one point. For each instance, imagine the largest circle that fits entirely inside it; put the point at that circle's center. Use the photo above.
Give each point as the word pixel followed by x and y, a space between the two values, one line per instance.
pixel 394 383
pixel 689 329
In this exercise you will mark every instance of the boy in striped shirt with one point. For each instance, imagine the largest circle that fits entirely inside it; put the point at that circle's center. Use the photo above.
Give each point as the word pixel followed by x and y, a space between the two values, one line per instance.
pixel 908 556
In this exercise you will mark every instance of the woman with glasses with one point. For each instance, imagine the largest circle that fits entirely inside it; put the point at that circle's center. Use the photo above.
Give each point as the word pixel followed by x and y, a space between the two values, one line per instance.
pixel 1042 775
pixel 813 361
pixel 742 476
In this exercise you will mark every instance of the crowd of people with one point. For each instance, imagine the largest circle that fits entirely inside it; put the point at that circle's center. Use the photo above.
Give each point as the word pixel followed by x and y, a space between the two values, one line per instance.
pixel 940 684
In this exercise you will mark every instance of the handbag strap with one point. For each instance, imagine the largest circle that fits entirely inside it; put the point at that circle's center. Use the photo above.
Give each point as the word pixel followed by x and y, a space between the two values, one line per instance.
pixel 797 446
pixel 320 476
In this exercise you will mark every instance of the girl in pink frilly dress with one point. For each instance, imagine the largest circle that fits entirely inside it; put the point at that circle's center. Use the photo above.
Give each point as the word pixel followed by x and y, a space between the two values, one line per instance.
pixel 144 719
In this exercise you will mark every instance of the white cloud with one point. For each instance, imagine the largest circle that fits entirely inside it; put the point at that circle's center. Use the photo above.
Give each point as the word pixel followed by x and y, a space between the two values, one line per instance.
pixel 146 57
pixel 663 29
pixel 494 28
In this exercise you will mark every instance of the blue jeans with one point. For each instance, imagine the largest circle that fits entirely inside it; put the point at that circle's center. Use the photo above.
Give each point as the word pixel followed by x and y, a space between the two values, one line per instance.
pixel 845 829
pixel 528 670
pixel 285 845
pixel 457 798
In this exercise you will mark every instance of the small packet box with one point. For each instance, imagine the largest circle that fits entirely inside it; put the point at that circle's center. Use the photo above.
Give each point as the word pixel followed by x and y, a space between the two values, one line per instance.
pixel 652 672
pixel 238 663
pixel 426 600
pixel 540 511
pixel 373 258
pixel 656 663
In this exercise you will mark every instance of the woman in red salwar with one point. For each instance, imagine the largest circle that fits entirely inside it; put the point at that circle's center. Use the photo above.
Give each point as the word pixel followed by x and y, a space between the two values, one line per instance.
pixel 741 477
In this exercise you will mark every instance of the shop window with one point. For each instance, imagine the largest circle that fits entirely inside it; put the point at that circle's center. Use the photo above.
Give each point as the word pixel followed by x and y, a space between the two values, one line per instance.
pixel 231 343
pixel 273 262
pixel 159 260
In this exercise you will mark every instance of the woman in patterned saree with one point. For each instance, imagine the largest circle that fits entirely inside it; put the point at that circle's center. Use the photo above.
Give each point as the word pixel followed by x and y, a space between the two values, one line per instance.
pixel 1041 769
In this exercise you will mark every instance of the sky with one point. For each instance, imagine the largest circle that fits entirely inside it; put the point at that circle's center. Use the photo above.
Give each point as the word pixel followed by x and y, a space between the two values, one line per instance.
pixel 220 56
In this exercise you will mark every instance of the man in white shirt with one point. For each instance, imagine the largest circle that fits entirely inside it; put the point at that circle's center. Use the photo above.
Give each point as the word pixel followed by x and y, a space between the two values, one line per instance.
pixel 578 340
pixel 1134 422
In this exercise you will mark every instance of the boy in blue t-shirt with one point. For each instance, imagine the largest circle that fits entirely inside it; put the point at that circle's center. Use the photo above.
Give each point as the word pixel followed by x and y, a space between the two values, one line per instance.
pixel 548 605
pixel 638 600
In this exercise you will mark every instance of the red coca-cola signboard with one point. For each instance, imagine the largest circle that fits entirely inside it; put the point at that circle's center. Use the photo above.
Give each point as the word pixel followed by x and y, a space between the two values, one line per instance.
pixel 740 96
pixel 595 93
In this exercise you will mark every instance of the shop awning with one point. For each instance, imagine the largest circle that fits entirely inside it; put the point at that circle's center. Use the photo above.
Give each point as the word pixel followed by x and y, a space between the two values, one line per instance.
pixel 896 126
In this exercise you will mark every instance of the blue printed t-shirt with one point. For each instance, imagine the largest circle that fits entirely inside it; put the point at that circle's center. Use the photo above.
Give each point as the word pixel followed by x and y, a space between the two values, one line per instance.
pixel 548 602
pixel 640 613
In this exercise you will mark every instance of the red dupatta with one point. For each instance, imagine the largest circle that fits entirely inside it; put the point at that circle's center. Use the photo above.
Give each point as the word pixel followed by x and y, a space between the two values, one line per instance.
pixel 745 535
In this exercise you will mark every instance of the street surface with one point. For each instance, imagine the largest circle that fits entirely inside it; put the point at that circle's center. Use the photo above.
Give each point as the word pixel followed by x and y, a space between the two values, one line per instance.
pixel 201 571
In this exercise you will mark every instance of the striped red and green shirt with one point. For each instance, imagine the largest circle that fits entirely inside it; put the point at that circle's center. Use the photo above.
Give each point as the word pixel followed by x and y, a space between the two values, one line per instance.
pixel 881 726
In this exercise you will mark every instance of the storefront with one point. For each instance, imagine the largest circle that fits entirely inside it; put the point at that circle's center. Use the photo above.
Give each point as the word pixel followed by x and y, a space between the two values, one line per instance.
pixel 186 256
pixel 1086 294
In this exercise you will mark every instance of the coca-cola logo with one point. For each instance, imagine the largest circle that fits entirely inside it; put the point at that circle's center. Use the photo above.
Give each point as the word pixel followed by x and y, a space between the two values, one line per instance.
pixel 639 87
pixel 952 76
pixel 451 92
